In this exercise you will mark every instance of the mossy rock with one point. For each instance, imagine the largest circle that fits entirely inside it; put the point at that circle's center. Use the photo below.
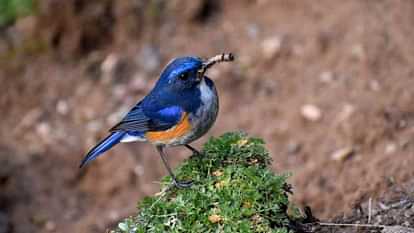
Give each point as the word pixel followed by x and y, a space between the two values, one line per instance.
pixel 233 191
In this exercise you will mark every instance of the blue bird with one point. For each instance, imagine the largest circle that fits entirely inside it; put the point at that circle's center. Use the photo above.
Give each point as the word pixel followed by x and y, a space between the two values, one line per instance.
pixel 182 107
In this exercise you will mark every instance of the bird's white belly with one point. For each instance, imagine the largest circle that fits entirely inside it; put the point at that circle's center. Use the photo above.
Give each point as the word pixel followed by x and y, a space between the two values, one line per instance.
pixel 205 116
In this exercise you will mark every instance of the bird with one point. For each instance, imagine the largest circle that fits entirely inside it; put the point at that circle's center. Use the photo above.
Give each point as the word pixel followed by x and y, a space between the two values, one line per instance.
pixel 182 106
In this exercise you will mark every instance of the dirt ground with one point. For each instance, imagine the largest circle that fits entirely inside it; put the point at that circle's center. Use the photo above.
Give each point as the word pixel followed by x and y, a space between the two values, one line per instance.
pixel 327 84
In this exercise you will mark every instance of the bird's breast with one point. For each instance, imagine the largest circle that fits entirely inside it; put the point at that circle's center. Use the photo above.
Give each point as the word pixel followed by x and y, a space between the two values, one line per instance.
pixel 169 136
pixel 194 124
pixel 206 114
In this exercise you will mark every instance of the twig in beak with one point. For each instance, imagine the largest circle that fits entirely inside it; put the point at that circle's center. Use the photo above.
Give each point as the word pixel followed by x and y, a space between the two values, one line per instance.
pixel 224 57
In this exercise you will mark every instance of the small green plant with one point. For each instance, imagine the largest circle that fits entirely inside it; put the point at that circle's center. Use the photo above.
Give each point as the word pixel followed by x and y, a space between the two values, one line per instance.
pixel 233 191
pixel 10 10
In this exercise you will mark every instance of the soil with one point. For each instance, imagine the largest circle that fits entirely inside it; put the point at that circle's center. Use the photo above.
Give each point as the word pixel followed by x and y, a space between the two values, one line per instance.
pixel 326 84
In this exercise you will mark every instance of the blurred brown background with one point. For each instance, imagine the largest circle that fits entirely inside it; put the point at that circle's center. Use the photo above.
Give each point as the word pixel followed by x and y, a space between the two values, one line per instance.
pixel 328 85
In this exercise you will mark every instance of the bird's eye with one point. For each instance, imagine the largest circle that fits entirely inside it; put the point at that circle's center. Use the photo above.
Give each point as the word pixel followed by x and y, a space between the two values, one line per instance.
pixel 184 76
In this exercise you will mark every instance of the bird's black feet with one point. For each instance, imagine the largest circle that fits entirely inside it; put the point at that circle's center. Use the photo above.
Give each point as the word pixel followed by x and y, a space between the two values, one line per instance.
pixel 176 183
pixel 182 183
pixel 194 150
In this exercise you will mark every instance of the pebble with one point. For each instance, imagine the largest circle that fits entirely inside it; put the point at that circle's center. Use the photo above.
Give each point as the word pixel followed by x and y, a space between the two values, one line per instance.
pixel 293 148
pixel 252 31
pixel 358 51
pixel 383 206
pixel 374 85
pixel 326 77
pixel 347 111
pixel 62 107
pixel 43 129
pixel 390 148
pixel 311 112
pixel 109 64
pixel 113 215
pixel 139 170
pixel 342 154
pixel 50 226
pixel 271 46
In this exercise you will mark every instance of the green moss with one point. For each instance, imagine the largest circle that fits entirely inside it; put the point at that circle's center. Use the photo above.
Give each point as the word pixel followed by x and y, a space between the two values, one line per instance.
pixel 233 191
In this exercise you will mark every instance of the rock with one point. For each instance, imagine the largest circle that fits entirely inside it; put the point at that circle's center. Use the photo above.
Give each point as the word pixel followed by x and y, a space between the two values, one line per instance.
pixel 271 47
pixel 342 154
pixel 311 112
pixel 397 229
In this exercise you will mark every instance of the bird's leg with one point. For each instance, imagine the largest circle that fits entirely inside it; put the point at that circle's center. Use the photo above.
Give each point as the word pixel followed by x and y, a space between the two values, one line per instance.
pixel 178 184
pixel 194 150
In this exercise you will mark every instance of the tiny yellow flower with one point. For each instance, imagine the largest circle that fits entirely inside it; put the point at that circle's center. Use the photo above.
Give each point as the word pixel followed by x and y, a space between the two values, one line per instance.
pixel 220 184
pixel 215 218
pixel 247 204
pixel 217 173
pixel 253 161
pixel 242 142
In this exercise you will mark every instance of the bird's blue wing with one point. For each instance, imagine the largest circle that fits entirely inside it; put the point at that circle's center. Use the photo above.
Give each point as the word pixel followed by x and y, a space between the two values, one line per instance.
pixel 139 120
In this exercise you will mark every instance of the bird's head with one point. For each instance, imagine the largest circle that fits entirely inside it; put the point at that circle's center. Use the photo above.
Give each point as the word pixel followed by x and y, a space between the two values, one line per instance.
pixel 187 72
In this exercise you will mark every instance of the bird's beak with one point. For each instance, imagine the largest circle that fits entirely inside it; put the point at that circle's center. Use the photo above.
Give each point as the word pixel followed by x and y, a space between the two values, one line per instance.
pixel 224 57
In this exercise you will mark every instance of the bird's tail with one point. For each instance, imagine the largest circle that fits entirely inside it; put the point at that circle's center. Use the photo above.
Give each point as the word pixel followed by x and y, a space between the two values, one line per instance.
pixel 106 144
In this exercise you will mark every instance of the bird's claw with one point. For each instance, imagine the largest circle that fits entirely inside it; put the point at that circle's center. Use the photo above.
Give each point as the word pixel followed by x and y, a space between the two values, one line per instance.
pixel 196 154
pixel 183 184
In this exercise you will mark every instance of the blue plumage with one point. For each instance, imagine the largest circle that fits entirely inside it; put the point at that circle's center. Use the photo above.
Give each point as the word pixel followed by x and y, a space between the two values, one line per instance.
pixel 181 107
pixel 104 145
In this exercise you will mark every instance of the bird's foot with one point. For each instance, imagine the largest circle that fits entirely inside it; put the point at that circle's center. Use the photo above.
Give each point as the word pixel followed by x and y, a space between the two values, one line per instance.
pixel 196 153
pixel 183 183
